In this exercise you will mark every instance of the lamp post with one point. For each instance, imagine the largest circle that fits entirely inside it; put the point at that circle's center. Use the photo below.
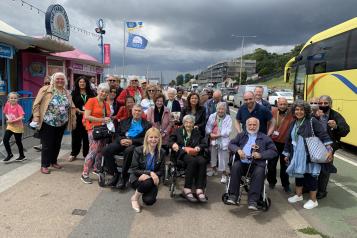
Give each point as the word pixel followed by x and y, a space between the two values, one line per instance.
pixel 241 57
pixel 100 30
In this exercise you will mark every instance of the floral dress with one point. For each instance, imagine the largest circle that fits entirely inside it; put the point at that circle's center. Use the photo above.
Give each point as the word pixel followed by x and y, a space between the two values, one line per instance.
pixel 58 110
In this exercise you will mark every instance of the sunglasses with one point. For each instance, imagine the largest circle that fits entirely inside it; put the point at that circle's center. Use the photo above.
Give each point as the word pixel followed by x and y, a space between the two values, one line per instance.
pixel 314 103
pixel 47 83
pixel 323 103
pixel 151 91
pixel 111 80
pixel 134 80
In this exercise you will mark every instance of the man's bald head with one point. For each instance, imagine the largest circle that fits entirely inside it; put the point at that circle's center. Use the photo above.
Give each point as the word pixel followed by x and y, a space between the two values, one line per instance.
pixel 282 104
pixel 217 95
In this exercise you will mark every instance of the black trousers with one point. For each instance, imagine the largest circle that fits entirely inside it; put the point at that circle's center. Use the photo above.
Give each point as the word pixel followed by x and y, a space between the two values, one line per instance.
pixel 80 135
pixel 257 180
pixel 324 177
pixel 115 149
pixel 148 189
pixel 196 167
pixel 271 176
pixel 51 139
pixel 18 137
pixel 308 181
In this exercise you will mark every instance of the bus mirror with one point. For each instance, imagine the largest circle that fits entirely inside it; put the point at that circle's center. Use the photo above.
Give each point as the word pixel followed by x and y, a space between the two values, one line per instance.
pixel 298 58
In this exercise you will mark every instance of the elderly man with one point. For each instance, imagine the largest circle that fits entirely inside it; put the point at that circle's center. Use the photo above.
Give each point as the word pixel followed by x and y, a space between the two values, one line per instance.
pixel 258 92
pixel 130 134
pixel 336 127
pixel 283 119
pixel 253 147
pixel 211 104
pixel 252 109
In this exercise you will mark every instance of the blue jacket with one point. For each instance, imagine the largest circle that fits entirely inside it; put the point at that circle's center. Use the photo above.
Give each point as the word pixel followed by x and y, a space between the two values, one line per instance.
pixel 266 145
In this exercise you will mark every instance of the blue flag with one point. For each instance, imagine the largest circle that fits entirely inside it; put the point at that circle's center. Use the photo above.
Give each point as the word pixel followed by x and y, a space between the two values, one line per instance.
pixel 132 25
pixel 136 41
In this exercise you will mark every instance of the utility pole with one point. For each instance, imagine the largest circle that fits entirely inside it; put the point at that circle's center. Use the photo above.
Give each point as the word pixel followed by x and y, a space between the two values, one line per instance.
pixel 100 30
pixel 241 57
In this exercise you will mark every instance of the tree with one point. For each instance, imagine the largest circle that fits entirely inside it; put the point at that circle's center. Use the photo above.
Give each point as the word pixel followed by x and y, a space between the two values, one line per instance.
pixel 188 77
pixel 172 83
pixel 179 80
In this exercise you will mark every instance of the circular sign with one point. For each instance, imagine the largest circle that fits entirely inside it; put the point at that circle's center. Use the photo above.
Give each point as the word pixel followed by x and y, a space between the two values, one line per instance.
pixel 100 23
pixel 57 23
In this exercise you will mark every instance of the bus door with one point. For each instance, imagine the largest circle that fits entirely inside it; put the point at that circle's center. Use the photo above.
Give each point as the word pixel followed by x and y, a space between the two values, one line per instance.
pixel 300 81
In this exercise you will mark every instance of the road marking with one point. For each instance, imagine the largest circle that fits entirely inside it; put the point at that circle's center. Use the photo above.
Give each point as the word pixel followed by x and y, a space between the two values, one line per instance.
pixel 344 159
pixel 233 111
pixel 17 175
pixel 344 188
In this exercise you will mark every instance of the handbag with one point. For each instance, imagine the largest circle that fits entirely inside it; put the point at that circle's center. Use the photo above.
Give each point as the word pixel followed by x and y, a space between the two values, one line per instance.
pixel 102 131
pixel 317 150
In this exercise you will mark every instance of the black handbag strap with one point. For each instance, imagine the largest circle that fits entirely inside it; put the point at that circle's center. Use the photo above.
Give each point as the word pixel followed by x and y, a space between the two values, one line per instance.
pixel 312 128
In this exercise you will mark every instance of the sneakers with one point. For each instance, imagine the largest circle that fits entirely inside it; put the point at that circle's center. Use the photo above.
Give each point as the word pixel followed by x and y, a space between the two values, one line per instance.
pixel 8 158
pixel 211 173
pixel 310 204
pixel 253 206
pixel 95 172
pixel 21 158
pixel 71 158
pixel 232 200
pixel 224 179
pixel 86 179
pixel 38 147
pixel 295 199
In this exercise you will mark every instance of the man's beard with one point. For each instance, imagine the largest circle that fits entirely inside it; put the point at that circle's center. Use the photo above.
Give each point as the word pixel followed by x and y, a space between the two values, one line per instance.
pixel 253 131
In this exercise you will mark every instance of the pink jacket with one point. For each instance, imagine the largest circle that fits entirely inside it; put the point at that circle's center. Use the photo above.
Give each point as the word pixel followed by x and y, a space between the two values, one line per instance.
pixel 165 126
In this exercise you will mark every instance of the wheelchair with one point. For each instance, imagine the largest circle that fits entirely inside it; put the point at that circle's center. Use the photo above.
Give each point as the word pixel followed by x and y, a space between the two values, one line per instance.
pixel 104 177
pixel 264 202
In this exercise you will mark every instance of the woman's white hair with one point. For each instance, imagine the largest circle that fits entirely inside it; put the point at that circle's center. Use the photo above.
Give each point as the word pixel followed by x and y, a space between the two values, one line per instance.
pixel 132 77
pixel 223 105
pixel 56 75
pixel 188 118
pixel 172 90
pixel 103 87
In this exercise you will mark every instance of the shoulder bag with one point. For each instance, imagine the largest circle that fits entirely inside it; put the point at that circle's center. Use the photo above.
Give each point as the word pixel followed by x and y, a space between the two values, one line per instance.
pixel 102 131
pixel 317 150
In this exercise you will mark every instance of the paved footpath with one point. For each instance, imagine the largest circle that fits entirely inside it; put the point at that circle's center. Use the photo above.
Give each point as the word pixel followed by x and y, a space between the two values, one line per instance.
pixel 37 205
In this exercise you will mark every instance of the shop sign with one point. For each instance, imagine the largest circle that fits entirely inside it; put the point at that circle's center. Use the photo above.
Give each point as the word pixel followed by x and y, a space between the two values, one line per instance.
pixel 107 54
pixel 37 69
pixel 6 51
pixel 57 23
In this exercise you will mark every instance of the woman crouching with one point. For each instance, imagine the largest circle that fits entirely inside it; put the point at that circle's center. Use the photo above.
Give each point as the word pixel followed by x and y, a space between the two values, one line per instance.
pixel 147 166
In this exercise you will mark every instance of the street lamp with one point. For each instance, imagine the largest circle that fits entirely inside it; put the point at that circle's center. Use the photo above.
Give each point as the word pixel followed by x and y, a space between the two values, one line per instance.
pixel 241 57
pixel 100 30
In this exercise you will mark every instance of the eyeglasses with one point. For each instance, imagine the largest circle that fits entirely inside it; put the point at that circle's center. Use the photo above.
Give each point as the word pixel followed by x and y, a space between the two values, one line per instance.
pixel 111 80
pixel 323 103
pixel 314 103
pixel 47 83
pixel 151 91
pixel 135 80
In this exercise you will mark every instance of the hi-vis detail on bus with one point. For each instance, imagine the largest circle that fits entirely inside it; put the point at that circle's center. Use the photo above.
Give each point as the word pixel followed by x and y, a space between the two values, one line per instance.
pixel 327 65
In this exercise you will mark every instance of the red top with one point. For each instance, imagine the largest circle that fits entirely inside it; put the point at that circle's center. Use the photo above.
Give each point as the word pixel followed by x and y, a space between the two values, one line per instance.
pixel 96 111
pixel 282 124
pixel 123 114
pixel 126 92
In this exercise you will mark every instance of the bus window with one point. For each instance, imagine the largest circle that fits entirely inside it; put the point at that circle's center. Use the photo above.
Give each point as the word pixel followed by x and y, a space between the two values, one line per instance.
pixel 352 51
pixel 300 81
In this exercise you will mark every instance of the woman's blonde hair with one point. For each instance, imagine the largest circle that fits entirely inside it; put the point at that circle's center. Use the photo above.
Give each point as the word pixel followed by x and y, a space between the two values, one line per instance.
pixel 59 74
pixel 152 131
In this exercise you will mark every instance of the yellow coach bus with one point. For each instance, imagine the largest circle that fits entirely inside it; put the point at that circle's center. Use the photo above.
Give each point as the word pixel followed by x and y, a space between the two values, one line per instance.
pixel 327 65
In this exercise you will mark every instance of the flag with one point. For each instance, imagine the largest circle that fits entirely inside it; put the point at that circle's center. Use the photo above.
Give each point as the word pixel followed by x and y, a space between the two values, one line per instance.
pixel 132 25
pixel 106 54
pixel 136 41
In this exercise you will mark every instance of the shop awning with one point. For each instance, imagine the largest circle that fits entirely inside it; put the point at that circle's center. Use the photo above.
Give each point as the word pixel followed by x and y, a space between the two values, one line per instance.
pixel 10 36
pixel 80 57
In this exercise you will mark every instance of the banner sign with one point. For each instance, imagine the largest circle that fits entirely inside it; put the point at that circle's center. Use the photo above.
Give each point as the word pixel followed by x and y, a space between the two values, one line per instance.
pixel 107 54
pixel 57 23
pixel 6 51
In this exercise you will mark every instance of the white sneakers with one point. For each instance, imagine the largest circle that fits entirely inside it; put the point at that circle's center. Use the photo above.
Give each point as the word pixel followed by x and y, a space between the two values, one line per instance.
pixel 224 179
pixel 308 205
pixel 295 199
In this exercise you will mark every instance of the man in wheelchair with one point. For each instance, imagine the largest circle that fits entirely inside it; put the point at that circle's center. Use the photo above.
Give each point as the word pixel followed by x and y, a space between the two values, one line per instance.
pixel 130 134
pixel 251 148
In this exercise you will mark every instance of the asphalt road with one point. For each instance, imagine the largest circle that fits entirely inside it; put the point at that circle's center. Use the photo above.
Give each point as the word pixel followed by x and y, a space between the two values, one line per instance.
pixel 37 205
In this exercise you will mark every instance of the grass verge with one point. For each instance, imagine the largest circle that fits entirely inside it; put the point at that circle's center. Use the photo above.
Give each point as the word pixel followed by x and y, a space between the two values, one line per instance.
pixel 312 231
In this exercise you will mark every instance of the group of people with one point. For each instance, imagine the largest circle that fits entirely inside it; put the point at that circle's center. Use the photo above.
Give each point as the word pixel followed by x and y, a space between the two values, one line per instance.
pixel 148 125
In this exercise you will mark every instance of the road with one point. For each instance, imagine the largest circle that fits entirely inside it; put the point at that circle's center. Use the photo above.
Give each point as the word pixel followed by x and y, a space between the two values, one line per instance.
pixel 37 205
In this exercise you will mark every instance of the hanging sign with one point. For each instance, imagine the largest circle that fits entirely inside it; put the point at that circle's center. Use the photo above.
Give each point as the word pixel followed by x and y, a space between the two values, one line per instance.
pixel 57 23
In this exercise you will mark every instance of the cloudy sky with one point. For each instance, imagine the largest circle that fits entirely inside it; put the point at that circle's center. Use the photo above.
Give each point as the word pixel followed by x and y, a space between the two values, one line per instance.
pixel 186 35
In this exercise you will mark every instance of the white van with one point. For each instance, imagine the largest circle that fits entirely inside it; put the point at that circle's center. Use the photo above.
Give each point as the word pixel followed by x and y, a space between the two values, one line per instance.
pixel 194 87
pixel 238 98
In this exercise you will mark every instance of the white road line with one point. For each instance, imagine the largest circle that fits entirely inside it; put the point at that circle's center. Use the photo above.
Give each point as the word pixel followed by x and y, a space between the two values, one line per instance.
pixel 17 175
pixel 344 159
pixel 344 188
pixel 233 110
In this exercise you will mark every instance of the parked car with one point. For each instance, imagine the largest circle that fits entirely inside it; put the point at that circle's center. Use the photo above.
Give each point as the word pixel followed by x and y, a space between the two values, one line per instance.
pixel 238 97
pixel 228 94
pixel 273 98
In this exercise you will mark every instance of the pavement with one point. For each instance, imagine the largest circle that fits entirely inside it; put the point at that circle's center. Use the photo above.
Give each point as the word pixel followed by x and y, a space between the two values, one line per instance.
pixel 60 205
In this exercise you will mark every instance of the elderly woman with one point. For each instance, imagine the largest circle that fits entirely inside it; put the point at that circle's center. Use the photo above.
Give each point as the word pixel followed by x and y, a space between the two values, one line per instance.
pixel 159 117
pixel 80 95
pixel 132 90
pixel 196 111
pixel 97 112
pixel 305 172
pixel 148 101
pixel 147 167
pixel 172 104
pixel 188 145
pixel 218 128
pixel 53 112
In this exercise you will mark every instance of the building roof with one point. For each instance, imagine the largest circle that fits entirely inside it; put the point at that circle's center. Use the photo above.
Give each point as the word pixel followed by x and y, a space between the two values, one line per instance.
pixel 79 56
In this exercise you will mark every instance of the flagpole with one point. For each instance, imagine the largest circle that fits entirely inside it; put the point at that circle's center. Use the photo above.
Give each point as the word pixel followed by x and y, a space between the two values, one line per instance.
pixel 124 49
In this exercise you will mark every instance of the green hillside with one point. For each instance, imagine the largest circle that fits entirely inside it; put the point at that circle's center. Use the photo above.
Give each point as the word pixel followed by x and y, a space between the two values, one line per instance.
pixel 278 83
